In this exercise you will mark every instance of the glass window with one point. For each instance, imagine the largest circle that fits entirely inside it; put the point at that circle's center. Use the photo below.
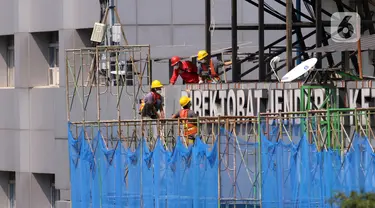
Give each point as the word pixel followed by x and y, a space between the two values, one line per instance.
pixel 53 62
pixel 53 56
pixel 57 56
pixel 10 66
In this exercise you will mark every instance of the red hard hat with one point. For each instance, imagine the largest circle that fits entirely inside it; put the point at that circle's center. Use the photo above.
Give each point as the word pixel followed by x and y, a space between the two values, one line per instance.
pixel 175 60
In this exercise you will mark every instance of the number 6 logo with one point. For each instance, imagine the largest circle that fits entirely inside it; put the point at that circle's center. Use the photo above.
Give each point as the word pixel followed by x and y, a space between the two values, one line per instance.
pixel 345 27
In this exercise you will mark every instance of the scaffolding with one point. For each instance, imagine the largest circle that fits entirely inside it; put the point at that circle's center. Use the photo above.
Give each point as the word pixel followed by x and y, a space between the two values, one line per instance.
pixel 122 77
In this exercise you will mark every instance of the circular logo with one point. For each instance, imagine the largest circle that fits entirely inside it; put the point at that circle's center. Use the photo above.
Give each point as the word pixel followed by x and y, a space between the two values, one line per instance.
pixel 306 67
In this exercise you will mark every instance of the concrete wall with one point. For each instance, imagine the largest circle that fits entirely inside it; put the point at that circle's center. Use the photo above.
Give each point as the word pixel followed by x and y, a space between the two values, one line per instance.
pixel 33 115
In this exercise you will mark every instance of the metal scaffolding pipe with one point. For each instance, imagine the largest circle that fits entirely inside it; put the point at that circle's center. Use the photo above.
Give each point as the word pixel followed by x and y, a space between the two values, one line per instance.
pixel 262 69
pixel 207 26
pixel 235 72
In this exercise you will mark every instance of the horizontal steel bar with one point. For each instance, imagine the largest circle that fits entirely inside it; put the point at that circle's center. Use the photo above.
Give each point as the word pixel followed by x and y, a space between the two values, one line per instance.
pixel 280 26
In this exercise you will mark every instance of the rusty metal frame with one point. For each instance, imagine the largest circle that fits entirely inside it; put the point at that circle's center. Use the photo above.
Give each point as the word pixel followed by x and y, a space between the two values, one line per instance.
pixel 84 77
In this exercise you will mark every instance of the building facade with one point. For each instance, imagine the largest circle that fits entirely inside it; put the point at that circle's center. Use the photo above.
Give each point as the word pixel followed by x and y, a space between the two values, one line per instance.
pixel 34 168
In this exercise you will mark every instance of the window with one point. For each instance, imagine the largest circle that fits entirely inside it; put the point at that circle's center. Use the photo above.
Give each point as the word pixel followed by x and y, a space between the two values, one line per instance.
pixel 55 195
pixel 10 65
pixel 53 61
pixel 10 62
pixel 12 190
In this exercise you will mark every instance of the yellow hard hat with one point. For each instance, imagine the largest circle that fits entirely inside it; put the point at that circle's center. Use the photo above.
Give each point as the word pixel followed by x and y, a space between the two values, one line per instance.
pixel 184 100
pixel 202 54
pixel 156 84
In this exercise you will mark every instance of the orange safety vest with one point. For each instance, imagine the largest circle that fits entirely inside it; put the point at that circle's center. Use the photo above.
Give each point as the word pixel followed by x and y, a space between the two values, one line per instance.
pixel 156 96
pixel 189 128
pixel 212 69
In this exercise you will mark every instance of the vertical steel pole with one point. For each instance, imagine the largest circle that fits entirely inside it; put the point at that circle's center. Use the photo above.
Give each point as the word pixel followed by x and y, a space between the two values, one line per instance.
pixel 318 25
pixel 262 66
pixel 236 74
pixel 289 38
pixel 207 27
pixel 298 8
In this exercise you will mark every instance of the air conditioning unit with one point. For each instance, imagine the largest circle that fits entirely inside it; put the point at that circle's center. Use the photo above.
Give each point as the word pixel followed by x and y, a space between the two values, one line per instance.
pixel 116 33
pixel 98 32
pixel 54 76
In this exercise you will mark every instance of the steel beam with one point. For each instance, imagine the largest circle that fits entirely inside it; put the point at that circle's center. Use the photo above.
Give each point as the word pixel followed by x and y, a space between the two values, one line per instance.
pixel 289 36
pixel 297 18
pixel 301 48
pixel 280 26
pixel 280 52
pixel 318 28
pixel 278 16
pixel 265 48
pixel 262 67
pixel 235 70
pixel 296 11
pixel 207 27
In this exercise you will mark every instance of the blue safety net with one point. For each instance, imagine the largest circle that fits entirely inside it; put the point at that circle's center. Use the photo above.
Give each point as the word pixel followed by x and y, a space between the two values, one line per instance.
pixel 109 175
pixel 296 174
pixel 276 170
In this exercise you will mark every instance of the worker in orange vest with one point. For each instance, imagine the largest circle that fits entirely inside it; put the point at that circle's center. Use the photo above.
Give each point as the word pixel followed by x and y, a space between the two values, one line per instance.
pixel 208 70
pixel 153 102
pixel 190 127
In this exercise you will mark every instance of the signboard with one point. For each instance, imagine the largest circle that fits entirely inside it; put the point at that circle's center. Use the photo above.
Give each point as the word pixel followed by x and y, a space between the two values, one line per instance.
pixel 249 102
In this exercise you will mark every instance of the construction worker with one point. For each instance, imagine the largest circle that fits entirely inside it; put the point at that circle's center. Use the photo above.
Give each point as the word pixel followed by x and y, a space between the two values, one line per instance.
pixel 153 102
pixel 186 69
pixel 190 127
pixel 208 70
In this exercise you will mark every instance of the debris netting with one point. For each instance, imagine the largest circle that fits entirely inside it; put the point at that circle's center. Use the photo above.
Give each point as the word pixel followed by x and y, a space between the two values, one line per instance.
pixel 297 175
pixel 119 177
pixel 287 172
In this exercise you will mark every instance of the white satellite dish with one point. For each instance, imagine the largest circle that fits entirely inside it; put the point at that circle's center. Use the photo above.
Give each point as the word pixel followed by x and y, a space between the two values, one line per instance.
pixel 299 70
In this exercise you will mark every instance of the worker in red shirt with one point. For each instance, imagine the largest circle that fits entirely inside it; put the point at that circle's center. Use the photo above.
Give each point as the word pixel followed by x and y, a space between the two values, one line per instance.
pixel 186 69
